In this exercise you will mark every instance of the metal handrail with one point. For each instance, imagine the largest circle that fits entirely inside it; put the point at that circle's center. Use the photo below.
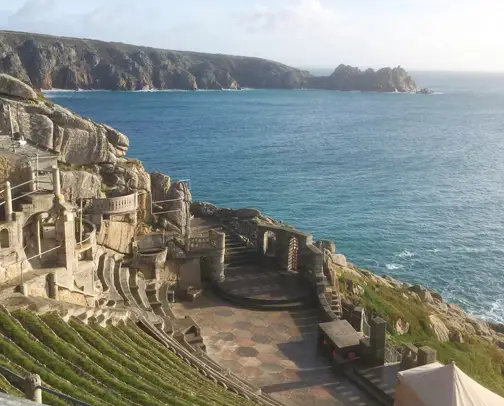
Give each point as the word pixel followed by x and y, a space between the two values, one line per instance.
pixel 26 194
pixel 38 255
pixel 67 398
pixel 22 184
pixel 169 211
pixel 85 240
pixel 14 377
pixel 392 356
pixel 166 201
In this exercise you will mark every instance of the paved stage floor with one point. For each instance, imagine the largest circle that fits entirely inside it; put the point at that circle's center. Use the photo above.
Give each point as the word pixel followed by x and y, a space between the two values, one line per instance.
pixel 254 281
pixel 273 350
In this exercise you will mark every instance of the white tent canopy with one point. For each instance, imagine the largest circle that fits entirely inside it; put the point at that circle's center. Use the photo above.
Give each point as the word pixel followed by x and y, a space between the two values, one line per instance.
pixel 441 385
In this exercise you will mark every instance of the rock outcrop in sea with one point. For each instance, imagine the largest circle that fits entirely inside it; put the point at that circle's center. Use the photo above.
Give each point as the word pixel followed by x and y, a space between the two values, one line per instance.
pixel 348 78
pixel 47 62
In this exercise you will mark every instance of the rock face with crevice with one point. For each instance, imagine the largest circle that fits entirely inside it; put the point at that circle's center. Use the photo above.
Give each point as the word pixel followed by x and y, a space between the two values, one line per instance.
pixel 48 62
pixel 92 154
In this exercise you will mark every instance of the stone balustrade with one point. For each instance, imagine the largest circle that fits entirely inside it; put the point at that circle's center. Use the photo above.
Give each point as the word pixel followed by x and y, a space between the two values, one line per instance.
pixel 115 205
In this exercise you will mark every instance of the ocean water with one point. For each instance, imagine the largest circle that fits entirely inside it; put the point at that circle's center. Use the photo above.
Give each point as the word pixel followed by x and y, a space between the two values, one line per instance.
pixel 406 185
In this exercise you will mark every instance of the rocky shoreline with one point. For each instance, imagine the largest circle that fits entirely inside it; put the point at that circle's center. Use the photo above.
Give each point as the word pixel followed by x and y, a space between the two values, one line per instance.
pixel 47 62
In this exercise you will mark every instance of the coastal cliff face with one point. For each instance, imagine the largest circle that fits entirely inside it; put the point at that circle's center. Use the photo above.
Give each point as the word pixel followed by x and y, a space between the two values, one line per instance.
pixel 47 62
pixel 346 77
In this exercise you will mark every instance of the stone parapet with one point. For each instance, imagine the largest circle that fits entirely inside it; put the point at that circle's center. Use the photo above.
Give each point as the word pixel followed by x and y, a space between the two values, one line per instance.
pixel 115 205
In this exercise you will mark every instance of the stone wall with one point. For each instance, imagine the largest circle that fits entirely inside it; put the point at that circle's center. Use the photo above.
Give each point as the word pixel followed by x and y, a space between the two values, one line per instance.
pixel 115 205
pixel 117 236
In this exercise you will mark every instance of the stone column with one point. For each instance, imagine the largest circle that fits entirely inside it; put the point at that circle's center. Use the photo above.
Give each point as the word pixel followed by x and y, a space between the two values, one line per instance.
pixel 65 232
pixel 56 181
pixel 53 286
pixel 32 388
pixel 377 340
pixel 23 289
pixel 219 259
pixel 8 202
pixel 426 355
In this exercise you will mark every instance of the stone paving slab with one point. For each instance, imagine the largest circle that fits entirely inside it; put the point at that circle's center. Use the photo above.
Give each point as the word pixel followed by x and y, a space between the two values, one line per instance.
pixel 274 350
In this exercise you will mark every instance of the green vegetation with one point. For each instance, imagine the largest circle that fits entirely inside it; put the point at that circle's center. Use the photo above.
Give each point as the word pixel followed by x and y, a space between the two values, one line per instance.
pixel 482 360
pixel 119 365
pixel 64 166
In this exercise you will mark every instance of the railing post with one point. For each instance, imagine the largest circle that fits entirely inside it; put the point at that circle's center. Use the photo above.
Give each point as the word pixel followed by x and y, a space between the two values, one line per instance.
pixel 39 240
pixel 32 388
pixel 36 172
pixel 8 202
pixel 56 181
pixel 32 187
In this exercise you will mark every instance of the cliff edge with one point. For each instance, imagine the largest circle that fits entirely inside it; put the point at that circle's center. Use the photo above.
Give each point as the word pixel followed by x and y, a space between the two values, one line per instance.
pixel 48 62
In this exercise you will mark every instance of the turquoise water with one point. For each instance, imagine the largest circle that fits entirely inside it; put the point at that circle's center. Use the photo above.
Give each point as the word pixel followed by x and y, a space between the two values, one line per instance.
pixel 406 185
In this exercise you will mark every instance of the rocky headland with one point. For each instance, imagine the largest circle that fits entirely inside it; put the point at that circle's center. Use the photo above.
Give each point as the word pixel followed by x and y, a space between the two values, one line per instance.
pixel 47 62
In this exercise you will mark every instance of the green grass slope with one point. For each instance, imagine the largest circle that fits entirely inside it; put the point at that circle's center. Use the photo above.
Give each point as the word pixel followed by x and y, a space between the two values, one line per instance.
pixel 118 365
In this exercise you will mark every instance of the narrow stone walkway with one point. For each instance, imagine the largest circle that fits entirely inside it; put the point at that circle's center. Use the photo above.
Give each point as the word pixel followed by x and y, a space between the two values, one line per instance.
pixel 274 350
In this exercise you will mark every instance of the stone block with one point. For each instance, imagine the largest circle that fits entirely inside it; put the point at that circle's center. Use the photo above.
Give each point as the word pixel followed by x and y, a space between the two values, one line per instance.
pixel 426 355
pixel 378 332
pixel 357 318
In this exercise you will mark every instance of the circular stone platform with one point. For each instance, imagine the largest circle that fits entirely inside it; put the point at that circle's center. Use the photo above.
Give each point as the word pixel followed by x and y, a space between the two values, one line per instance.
pixel 254 283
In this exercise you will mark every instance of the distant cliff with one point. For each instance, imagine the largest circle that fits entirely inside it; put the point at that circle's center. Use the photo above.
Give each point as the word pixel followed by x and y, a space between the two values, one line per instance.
pixel 347 78
pixel 48 62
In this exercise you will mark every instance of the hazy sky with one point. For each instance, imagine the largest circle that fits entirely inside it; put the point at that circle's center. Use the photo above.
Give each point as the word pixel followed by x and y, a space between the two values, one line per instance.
pixel 417 34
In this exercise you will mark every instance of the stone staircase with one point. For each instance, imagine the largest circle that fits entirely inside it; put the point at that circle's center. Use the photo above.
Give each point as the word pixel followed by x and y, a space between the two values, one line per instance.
pixel 334 299
pixel 238 253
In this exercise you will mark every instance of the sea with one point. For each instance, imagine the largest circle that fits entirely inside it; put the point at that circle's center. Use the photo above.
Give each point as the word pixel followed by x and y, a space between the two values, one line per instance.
pixel 406 185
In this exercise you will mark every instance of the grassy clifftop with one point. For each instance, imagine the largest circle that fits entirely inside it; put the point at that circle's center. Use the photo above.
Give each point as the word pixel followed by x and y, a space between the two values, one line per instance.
pixel 417 316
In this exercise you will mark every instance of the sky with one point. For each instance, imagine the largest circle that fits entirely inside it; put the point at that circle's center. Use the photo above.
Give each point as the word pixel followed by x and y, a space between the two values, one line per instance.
pixel 453 35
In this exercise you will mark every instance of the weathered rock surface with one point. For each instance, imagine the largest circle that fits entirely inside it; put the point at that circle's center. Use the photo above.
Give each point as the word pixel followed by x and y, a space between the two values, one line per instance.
pixel 76 185
pixel 423 294
pixel 401 326
pixel 204 209
pixel 79 141
pixel 11 86
pixel 439 329
pixel 179 204
pixel 54 62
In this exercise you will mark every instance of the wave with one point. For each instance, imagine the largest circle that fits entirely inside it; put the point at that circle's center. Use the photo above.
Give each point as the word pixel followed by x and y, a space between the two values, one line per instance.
pixel 496 312
pixel 56 90
pixel 393 267
pixel 406 254
pixel 160 91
